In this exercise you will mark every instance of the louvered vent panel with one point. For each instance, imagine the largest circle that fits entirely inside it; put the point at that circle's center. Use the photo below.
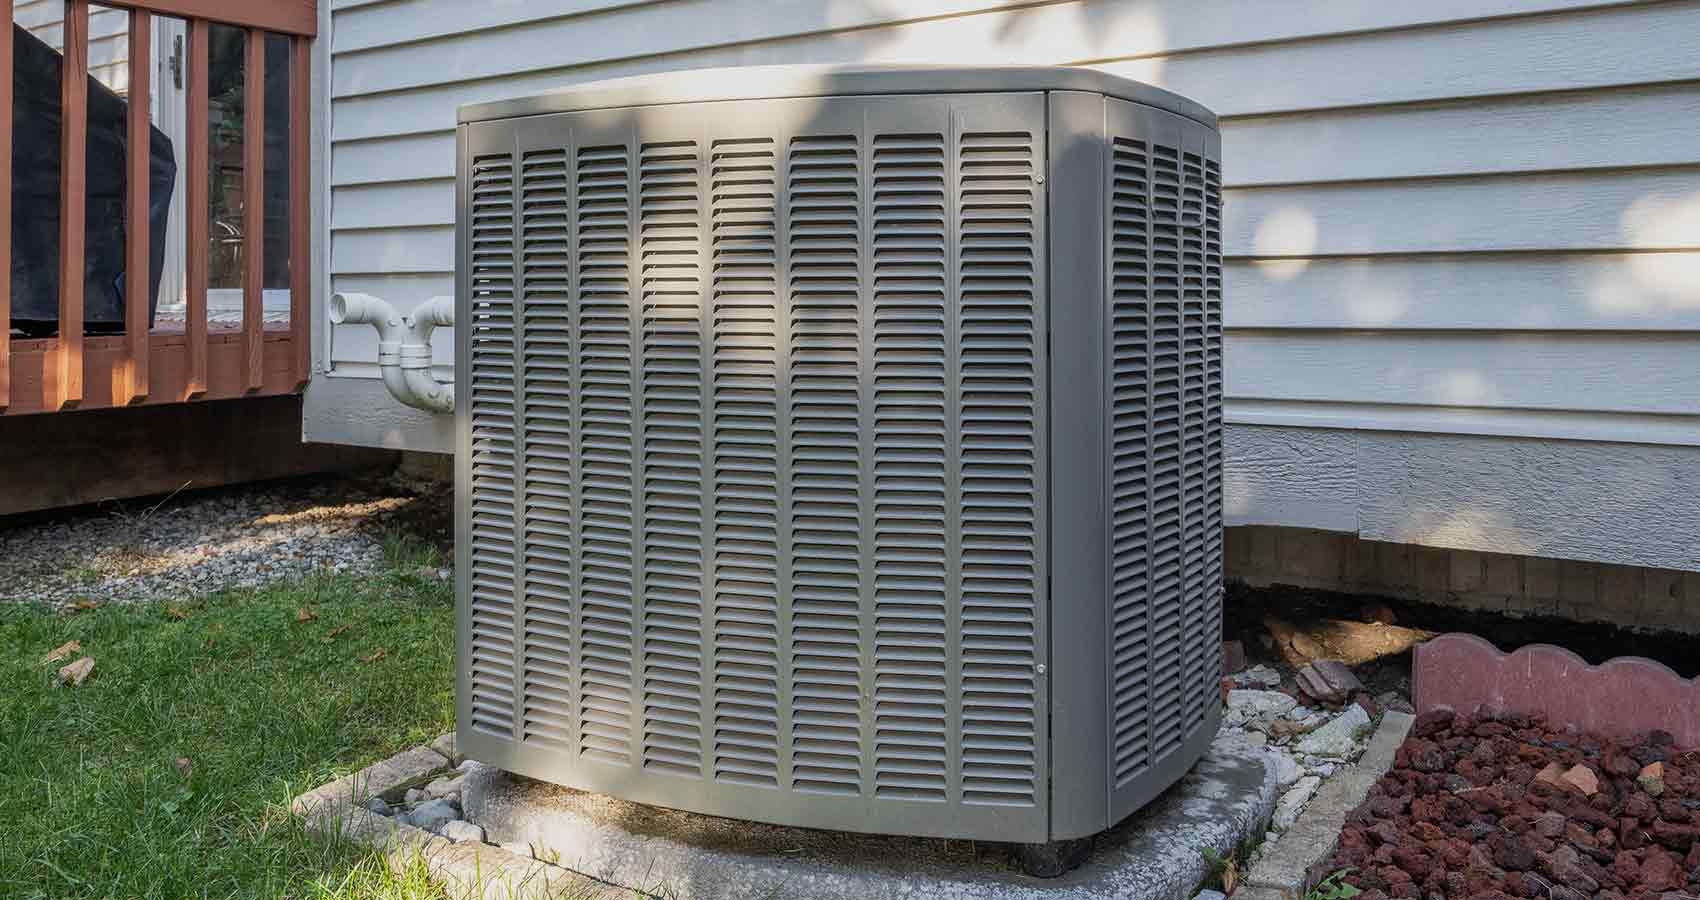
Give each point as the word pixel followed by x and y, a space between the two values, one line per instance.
pixel 823 247
pixel 997 397
pixel 1213 457
pixel 744 319
pixel 910 347
pixel 547 378
pixel 1130 362
pixel 1195 426
pixel 605 357
pixel 494 445
pixel 1167 606
pixel 670 242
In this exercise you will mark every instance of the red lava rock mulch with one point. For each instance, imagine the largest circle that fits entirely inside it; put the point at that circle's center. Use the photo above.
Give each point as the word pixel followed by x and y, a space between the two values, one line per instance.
pixel 1499 808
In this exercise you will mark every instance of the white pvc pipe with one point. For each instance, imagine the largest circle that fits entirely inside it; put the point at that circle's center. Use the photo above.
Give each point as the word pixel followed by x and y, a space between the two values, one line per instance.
pixel 404 345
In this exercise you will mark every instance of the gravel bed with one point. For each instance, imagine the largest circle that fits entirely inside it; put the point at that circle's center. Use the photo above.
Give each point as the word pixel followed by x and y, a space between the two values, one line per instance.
pixel 191 544
pixel 1487 808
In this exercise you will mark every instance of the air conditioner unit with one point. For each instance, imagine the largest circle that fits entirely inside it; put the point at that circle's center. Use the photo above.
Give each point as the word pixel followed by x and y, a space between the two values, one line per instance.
pixel 842 448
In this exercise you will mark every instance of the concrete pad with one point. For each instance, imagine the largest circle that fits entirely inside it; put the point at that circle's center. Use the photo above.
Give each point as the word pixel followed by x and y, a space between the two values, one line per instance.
pixel 1288 866
pixel 1157 854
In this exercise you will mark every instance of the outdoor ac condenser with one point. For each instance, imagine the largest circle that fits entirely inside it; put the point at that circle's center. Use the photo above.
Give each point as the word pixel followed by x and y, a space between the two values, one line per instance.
pixel 842 448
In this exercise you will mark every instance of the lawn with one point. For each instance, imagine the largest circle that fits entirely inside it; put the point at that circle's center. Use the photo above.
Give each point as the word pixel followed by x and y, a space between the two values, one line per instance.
pixel 168 772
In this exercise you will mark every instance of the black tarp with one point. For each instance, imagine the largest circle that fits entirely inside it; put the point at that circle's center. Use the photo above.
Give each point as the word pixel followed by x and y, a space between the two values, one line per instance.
pixel 35 197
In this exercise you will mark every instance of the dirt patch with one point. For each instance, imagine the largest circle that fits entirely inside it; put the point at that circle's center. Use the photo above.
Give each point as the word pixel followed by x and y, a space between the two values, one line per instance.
pixel 1511 808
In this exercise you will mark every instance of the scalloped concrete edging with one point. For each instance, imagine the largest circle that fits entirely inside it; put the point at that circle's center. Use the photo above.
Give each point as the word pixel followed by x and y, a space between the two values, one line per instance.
pixel 1290 867
pixel 1468 675
pixel 464 870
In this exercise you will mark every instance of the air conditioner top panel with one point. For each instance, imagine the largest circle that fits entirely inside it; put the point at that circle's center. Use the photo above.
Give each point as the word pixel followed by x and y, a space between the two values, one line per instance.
pixel 774 82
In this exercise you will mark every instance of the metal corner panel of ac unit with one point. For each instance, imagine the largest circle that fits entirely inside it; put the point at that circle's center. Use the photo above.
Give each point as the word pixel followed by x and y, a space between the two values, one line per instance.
pixel 793 477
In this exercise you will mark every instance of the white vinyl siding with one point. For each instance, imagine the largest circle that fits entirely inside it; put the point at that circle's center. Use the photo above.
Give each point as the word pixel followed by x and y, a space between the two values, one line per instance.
pixel 1474 219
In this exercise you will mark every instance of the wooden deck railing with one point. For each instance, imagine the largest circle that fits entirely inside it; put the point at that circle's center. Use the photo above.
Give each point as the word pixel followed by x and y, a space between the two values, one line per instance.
pixel 144 364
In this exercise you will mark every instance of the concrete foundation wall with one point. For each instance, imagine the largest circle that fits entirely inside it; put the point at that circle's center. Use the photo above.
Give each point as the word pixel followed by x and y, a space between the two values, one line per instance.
pixel 1637 597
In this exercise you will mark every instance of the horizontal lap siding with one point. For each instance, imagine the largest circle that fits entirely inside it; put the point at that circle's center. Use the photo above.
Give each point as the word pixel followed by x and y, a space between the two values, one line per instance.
pixel 1485 211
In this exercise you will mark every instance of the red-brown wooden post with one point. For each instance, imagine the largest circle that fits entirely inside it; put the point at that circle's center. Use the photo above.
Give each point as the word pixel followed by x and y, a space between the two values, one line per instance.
pixel 138 286
pixel 73 181
pixel 300 207
pixel 195 204
pixel 254 210
pixel 6 205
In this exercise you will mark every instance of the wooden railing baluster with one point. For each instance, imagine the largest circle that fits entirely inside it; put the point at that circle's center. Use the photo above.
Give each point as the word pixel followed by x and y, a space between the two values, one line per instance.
pixel 197 209
pixel 300 206
pixel 73 210
pixel 138 285
pixel 6 207
pixel 254 209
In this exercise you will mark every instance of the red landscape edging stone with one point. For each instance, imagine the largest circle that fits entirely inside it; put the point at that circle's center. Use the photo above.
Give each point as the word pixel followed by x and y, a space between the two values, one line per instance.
pixel 1623 698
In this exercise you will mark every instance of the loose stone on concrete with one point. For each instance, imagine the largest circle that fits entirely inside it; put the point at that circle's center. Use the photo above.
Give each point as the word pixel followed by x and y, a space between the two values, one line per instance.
pixel 386 777
pixel 1158 854
pixel 1338 738
pixel 462 830
pixel 1286 869
pixel 1294 800
pixel 432 816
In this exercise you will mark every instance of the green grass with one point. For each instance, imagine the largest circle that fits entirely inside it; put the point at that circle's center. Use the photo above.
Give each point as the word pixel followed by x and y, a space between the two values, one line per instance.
pixel 92 801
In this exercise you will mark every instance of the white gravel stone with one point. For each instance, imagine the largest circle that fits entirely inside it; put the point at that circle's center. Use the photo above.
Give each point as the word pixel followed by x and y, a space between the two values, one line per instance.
pixel 461 830
pixel 1338 738
pixel 1260 703
pixel 443 787
pixel 1293 802
pixel 1210 895
pixel 1287 770
pixel 1262 676
pixel 413 795
pixel 434 815
pixel 195 543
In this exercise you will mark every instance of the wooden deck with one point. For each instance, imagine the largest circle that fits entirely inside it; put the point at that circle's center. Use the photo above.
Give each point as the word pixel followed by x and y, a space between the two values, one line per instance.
pixel 196 357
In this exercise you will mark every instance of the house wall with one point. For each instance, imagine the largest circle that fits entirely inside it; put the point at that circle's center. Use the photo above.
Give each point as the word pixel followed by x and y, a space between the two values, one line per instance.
pixel 1463 236
pixel 109 37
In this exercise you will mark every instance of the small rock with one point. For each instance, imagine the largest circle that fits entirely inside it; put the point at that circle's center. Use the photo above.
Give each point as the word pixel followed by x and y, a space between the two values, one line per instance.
pixel 1209 895
pixel 1394 701
pixel 519 848
pixel 413 795
pixel 1338 738
pixel 1293 801
pixel 1260 703
pixel 1233 656
pixel 1582 779
pixel 1257 738
pixel 1287 770
pixel 1329 681
pixel 1552 775
pixel 433 815
pixel 377 805
pixel 462 830
pixel 1262 676
pixel 1323 770
pixel 1652 779
pixel 1550 824
pixel 443 787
